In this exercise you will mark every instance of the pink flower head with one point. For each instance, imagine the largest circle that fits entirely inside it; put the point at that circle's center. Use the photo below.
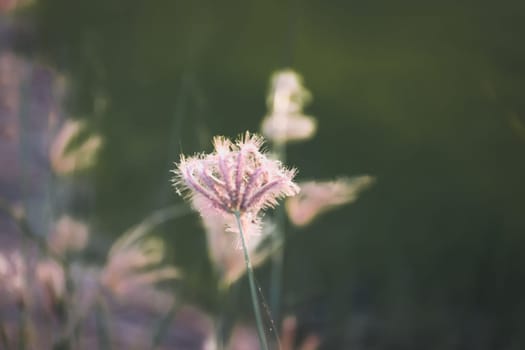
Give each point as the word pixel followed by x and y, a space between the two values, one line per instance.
pixel 69 235
pixel 319 197
pixel 236 177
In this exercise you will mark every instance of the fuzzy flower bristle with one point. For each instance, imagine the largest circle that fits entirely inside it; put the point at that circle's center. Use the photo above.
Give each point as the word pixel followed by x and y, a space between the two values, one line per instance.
pixel 236 177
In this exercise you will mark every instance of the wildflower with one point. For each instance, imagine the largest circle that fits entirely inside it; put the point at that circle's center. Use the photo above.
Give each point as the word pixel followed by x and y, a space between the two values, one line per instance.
pixel 66 159
pixel 319 197
pixel 13 277
pixel 287 92
pixel 133 268
pixel 68 235
pixel 236 178
pixel 286 99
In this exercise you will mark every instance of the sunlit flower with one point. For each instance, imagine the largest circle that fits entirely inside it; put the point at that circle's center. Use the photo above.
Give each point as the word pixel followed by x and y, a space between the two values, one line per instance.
pixel 287 92
pixel 13 277
pixel 68 235
pixel 318 197
pixel 237 177
pixel 134 268
pixel 66 159
pixel 282 128
pixel 285 121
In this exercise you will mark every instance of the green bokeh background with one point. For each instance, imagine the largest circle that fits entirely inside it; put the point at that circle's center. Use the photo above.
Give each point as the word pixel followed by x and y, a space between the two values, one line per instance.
pixel 427 96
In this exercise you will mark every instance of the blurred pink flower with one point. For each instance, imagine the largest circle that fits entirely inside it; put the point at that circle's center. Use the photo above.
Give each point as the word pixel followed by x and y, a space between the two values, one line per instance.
pixel 13 278
pixel 287 93
pixel 285 121
pixel 134 268
pixel 66 159
pixel 34 283
pixel 282 128
pixel 68 235
pixel 318 197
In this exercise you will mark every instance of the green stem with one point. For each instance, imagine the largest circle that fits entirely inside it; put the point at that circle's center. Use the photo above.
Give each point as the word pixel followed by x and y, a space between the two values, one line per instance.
pixel 253 291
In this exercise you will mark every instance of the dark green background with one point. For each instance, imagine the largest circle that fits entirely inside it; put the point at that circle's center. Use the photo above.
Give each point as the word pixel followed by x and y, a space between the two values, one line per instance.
pixel 427 96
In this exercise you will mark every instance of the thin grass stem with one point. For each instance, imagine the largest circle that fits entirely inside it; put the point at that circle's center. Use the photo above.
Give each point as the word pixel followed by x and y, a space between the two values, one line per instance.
pixel 256 308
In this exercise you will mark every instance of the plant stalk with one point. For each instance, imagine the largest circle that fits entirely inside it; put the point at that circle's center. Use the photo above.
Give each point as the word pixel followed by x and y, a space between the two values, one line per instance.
pixel 256 308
